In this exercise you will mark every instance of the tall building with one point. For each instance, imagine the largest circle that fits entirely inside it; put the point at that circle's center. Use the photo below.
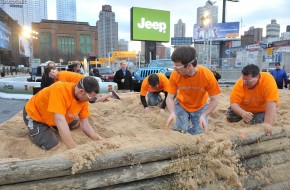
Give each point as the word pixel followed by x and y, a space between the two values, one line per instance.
pixel 179 29
pixel 123 45
pixel 107 32
pixel 211 9
pixel 25 12
pixel 66 10
pixel 273 29
pixel 288 28
pixel 256 32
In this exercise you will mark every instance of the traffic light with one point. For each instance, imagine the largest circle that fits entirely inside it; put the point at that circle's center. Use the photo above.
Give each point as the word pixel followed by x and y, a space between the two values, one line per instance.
pixel 269 51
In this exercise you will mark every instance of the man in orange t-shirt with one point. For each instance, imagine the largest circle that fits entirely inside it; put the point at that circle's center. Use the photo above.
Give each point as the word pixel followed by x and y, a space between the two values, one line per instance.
pixel 194 85
pixel 68 76
pixel 59 105
pixel 254 98
pixel 152 85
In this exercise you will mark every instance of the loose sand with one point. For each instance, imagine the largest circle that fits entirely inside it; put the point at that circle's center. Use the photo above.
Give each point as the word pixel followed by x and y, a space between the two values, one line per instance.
pixel 124 124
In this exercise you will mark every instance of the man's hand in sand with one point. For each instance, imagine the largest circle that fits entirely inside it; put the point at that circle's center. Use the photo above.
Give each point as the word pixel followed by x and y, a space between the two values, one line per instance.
pixel 171 119
pixel 247 116
pixel 147 109
pixel 268 129
pixel 202 122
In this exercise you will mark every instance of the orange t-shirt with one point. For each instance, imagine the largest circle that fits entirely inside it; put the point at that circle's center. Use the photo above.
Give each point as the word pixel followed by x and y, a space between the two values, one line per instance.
pixel 163 85
pixel 68 76
pixel 57 98
pixel 254 100
pixel 193 91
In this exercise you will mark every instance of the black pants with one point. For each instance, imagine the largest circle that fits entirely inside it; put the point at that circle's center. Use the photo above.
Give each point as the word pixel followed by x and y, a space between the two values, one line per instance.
pixel 257 118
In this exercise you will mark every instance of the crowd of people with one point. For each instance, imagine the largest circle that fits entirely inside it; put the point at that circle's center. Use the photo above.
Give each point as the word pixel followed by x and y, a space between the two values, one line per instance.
pixel 190 96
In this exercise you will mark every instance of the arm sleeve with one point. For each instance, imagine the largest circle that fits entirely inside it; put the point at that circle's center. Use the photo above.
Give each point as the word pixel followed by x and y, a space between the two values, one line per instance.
pixel 143 101
pixel 285 77
pixel 163 105
pixel 218 76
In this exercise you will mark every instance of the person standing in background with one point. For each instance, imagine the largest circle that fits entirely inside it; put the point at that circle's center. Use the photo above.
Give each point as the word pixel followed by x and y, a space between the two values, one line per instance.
pixel 123 77
pixel 280 76
pixel 45 79
pixel 215 73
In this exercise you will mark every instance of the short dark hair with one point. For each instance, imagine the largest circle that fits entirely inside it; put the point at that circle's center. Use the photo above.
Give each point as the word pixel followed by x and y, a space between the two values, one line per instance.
pixel 89 84
pixel 48 69
pixel 278 63
pixel 251 69
pixel 185 55
pixel 153 80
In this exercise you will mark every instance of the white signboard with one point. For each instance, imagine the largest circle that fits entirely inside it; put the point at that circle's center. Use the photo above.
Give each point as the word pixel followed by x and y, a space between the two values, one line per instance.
pixel 24 46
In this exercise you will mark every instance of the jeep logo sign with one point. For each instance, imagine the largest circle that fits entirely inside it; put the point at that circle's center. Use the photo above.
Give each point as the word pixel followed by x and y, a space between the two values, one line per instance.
pixel 150 25
pixel 160 26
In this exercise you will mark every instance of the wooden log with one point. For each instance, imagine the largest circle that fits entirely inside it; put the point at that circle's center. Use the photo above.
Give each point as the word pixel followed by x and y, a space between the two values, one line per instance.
pixel 252 150
pixel 262 160
pixel 56 166
pixel 259 137
pixel 104 178
pixel 281 185
pixel 157 183
pixel 268 176
pixel 256 180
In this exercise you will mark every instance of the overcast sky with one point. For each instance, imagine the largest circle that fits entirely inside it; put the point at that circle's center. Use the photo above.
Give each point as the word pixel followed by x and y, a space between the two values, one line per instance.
pixel 257 13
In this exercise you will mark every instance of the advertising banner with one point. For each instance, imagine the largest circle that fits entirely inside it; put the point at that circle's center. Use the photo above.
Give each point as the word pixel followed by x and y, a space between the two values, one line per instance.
pixel 150 25
pixel 217 31
pixel 24 46
pixel 5 36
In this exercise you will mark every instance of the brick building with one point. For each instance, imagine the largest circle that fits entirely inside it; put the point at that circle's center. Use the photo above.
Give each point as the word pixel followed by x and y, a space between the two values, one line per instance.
pixel 66 40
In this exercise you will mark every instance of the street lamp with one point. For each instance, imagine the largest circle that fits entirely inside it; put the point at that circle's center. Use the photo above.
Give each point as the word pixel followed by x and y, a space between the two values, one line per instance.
pixel 224 9
pixel 139 56
pixel 30 34
pixel 205 22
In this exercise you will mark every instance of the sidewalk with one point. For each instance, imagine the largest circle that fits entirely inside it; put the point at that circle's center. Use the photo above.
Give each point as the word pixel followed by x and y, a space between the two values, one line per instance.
pixel 14 75
pixel 10 107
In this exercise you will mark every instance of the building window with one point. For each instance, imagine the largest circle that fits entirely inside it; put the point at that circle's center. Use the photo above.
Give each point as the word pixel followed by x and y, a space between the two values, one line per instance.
pixel 66 45
pixel 85 44
pixel 45 42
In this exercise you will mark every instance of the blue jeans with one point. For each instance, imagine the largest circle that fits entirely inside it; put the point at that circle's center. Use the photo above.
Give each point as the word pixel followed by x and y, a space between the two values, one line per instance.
pixel 188 122
pixel 154 98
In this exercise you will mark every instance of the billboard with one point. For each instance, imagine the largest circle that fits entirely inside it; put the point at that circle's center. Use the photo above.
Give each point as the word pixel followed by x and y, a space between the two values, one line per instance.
pixel 150 25
pixel 5 36
pixel 217 31
pixel 24 46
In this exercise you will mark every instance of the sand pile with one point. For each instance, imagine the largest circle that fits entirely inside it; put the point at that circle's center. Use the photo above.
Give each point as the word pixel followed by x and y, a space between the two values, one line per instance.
pixel 126 126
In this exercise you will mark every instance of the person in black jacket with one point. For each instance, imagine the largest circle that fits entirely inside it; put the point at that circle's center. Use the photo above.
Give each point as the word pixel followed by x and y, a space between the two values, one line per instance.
pixel 46 80
pixel 123 77
pixel 215 73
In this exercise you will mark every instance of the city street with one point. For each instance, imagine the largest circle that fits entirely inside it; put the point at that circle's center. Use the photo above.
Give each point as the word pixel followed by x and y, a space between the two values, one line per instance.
pixel 10 107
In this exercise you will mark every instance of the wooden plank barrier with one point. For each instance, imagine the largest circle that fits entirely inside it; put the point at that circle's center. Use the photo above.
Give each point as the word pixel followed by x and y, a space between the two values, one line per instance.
pixel 265 159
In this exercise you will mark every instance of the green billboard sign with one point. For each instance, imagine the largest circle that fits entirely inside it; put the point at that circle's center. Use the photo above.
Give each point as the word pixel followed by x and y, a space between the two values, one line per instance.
pixel 150 25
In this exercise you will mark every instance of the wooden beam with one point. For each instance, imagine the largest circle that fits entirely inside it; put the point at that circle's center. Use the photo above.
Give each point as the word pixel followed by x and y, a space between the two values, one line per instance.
pixel 263 147
pixel 257 162
pixel 56 166
pixel 104 178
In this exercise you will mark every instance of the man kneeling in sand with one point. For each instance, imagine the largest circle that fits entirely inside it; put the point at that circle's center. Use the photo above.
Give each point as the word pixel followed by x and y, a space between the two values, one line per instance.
pixel 254 98
pixel 60 105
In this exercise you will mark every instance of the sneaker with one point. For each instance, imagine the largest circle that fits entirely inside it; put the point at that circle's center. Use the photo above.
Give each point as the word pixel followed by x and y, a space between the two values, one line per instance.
pixel 115 95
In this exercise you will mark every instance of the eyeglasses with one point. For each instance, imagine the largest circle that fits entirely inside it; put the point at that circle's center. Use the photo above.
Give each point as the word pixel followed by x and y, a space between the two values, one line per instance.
pixel 91 99
pixel 183 66
pixel 249 80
